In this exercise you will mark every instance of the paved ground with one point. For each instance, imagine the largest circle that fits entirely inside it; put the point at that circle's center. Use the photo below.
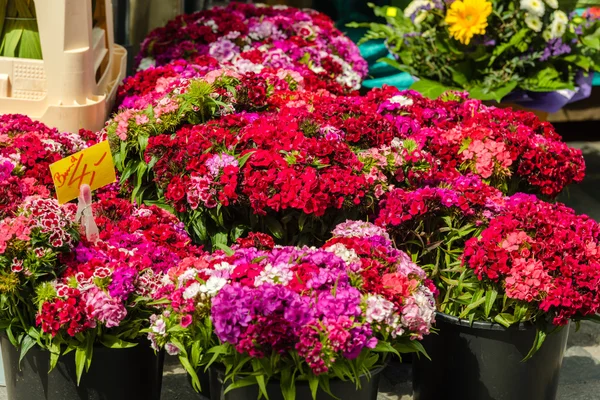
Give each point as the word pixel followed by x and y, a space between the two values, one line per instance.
pixel 580 374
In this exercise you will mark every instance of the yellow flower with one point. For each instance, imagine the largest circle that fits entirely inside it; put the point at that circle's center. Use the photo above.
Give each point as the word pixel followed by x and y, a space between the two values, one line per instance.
pixel 467 18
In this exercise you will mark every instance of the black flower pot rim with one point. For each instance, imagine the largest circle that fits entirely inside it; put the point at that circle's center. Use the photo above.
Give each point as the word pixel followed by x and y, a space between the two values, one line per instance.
pixel 483 325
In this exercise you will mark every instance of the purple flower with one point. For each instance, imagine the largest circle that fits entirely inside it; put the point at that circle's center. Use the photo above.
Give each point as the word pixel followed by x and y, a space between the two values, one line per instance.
pixel 122 282
pixel 555 48
pixel 223 50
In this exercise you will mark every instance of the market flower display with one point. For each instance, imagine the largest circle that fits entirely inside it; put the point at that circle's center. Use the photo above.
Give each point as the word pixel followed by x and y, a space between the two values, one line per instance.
pixel 494 50
pixel 252 37
pixel 296 306
pixel 312 159
pixel 265 172
pixel 180 102
pixel 545 257
pixel 65 293
pixel 519 259
pixel 27 148
pixel 156 81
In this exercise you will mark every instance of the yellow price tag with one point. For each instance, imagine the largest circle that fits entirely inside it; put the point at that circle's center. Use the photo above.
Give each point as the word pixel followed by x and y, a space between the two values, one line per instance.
pixel 92 166
pixel 392 12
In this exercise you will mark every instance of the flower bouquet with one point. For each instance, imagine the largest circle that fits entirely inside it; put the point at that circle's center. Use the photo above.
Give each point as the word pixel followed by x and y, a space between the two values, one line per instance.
pixel 65 295
pixel 539 54
pixel 296 317
pixel 252 37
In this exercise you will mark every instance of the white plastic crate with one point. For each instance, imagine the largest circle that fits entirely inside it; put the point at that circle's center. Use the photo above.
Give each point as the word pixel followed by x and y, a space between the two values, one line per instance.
pixel 75 84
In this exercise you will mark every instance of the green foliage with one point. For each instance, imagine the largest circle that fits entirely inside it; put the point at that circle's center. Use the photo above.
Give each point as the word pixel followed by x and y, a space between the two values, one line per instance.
pixel 19 36
pixel 508 57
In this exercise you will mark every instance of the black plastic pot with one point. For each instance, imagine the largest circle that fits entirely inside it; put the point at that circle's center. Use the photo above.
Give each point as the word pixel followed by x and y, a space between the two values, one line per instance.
pixel 484 362
pixel 345 390
pixel 115 374
pixel 204 379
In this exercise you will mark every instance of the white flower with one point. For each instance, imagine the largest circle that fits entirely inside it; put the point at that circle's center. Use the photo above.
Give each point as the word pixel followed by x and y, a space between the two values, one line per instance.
pixel 547 35
pixel 560 17
pixel 278 274
pixel 159 326
pixel 534 23
pixel 558 26
pixel 348 255
pixel 402 100
pixel 379 309
pixel 146 63
pixel 187 275
pixel 224 266
pixel 535 7
pixel 414 6
pixel 191 291
pixel 213 285
pixel 172 349
pixel 552 3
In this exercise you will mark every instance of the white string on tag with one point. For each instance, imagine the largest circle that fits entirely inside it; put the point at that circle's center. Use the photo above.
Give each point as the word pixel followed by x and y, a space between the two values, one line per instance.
pixel 85 214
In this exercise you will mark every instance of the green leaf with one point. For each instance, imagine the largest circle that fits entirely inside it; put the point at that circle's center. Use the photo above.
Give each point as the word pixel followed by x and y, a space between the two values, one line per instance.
pixel 517 40
pixel 274 227
pixel 593 40
pixel 497 94
pixel 411 346
pixel 430 89
pixel 490 298
pixel 80 361
pixel 228 250
pixel 313 383
pixel 240 383
pixel 385 347
pixel 505 319
pixel 260 378
pixel 242 160
pixel 546 80
pixel 471 307
pixel 540 337
pixel 113 342
pixel 219 238
pixel 288 384
pixel 26 345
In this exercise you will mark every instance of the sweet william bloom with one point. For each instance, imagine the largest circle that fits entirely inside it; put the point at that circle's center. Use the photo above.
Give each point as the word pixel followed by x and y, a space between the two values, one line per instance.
pixel 104 308
pixel 466 18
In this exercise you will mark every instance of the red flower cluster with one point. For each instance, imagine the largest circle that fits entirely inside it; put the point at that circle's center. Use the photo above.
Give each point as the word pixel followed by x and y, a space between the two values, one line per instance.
pixel 258 164
pixel 27 148
pixel 68 313
pixel 544 254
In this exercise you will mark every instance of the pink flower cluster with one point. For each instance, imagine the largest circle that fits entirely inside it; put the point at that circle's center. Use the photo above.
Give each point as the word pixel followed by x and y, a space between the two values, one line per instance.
pixel 251 38
pixel 27 148
pixel 75 284
pixel 324 304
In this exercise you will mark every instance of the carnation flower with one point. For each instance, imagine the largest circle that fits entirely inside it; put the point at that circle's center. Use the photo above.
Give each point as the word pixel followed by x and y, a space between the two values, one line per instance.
pixel 534 23
pixel 535 7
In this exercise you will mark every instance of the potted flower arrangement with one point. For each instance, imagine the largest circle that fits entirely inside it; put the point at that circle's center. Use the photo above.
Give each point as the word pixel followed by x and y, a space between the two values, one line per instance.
pixel 511 271
pixel 161 79
pixel 538 54
pixel 66 299
pixel 181 101
pixel 252 37
pixel 284 175
pixel 295 322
